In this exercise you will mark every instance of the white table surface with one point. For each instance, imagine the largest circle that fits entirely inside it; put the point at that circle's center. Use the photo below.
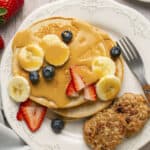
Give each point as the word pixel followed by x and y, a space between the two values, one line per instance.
pixel 8 30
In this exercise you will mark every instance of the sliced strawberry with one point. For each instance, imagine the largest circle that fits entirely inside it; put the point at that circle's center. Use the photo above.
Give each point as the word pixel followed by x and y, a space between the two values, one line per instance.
pixel 1 43
pixel 90 93
pixel 33 114
pixel 19 114
pixel 70 91
pixel 76 80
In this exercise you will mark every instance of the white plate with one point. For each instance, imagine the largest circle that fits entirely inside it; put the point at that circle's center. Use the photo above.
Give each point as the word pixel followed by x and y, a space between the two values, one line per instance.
pixel 116 19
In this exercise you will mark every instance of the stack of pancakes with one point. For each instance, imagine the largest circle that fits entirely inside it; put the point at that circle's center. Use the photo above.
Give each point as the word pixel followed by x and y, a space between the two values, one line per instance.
pixel 91 40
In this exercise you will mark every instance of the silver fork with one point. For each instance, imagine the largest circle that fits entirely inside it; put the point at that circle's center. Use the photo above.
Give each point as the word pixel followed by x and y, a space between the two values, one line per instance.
pixel 135 63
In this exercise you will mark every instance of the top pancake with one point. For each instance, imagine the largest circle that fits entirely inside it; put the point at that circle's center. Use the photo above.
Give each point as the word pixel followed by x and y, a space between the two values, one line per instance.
pixel 88 42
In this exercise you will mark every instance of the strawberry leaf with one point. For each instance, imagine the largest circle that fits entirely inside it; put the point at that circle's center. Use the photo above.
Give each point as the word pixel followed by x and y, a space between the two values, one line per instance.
pixel 2 20
pixel 3 11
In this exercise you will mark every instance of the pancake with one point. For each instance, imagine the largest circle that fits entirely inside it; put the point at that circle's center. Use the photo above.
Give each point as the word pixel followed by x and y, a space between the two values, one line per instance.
pixel 84 110
pixel 88 42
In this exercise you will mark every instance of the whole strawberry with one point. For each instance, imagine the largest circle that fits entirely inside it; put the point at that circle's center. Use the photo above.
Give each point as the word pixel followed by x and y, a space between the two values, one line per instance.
pixel 1 43
pixel 8 8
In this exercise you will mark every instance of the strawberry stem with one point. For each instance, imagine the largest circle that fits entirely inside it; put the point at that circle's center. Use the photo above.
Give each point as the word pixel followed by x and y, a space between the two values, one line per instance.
pixel 3 11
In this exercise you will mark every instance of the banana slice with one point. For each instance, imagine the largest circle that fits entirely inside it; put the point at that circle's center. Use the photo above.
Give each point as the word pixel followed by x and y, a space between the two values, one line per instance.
pixel 56 51
pixel 103 66
pixel 31 57
pixel 108 87
pixel 19 89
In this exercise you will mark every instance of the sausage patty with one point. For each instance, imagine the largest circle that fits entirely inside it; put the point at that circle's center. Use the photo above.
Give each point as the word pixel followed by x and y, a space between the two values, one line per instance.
pixel 105 130
pixel 135 109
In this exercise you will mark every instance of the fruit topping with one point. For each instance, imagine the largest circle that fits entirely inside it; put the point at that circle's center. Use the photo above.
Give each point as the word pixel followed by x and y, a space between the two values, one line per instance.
pixel 115 52
pixel 57 125
pixel 33 114
pixel 56 52
pixel 67 36
pixel 108 87
pixel 19 89
pixel 103 66
pixel 76 80
pixel 1 43
pixel 34 77
pixel 19 114
pixel 31 57
pixel 90 93
pixel 87 75
pixel 70 91
pixel 48 72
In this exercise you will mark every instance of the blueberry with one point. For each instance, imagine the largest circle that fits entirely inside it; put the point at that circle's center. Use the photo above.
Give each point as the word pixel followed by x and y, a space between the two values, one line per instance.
pixel 48 72
pixel 115 51
pixel 57 125
pixel 67 36
pixel 34 77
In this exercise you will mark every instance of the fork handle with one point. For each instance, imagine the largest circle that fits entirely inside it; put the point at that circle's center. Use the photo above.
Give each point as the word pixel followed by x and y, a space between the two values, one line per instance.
pixel 146 89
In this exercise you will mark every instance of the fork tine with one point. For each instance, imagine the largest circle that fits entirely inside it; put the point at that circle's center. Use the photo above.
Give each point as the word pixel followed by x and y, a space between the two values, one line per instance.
pixel 125 55
pixel 126 49
pixel 122 50
pixel 134 49
pixel 130 48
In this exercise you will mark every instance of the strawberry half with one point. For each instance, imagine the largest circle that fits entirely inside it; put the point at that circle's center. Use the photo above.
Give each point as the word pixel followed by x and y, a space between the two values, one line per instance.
pixel 70 91
pixel 33 114
pixel 19 113
pixel 90 93
pixel 76 80
pixel 1 43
